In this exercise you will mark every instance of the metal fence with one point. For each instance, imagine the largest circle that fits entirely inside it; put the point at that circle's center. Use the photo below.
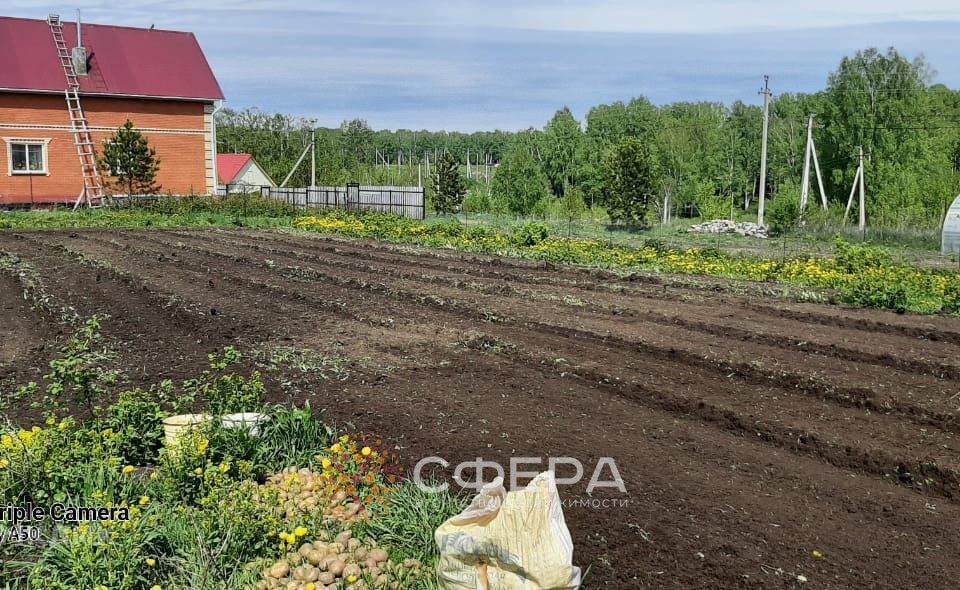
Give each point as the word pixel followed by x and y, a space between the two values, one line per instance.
pixel 407 201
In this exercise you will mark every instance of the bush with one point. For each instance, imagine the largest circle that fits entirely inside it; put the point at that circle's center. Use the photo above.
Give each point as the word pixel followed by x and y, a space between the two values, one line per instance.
pixel 56 463
pixel 857 258
pixel 784 214
pixel 108 554
pixel 531 234
pixel 901 290
pixel 137 420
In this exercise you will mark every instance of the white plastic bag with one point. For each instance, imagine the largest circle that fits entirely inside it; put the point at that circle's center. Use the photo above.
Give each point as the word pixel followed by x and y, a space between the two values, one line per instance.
pixel 509 541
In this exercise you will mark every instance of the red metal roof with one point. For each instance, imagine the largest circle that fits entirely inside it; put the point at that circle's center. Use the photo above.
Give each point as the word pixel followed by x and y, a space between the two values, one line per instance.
pixel 123 61
pixel 229 165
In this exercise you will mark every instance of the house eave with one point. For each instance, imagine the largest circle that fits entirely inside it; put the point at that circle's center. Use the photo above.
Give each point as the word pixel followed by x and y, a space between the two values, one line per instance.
pixel 112 95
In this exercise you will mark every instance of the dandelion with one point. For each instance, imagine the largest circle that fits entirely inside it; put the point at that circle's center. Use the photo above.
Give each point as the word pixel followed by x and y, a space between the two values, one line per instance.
pixel 151 562
pixel 144 500
pixel 128 469
pixel 310 586
pixel 351 579
pixel 301 531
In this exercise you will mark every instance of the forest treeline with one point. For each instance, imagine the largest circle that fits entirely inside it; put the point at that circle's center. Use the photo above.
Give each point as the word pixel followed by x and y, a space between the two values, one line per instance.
pixel 696 158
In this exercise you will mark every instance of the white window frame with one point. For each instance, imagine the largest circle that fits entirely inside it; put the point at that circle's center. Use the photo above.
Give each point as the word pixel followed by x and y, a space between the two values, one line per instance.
pixel 44 154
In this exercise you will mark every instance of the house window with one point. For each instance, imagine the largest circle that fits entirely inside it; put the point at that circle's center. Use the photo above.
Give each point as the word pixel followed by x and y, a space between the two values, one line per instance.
pixel 27 156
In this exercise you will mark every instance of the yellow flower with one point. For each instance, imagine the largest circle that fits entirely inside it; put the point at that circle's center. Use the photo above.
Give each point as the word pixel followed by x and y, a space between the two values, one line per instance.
pixel 4 463
pixel 198 471
pixel 36 429
pixel 310 586
pixel 344 439
pixel 151 562
pixel 63 425
pixel 301 531
pixel 224 467
pixel 144 500
pixel 365 451
pixel 326 463
pixel 128 469
pixel 156 587
pixel 817 554
pixel 202 446
pixel 337 448
pixel 351 579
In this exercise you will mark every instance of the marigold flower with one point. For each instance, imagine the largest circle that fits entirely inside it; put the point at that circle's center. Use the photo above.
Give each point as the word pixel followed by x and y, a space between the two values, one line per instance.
pixel 365 451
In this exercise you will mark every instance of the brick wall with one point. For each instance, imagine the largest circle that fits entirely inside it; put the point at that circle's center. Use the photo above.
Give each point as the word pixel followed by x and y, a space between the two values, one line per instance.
pixel 176 129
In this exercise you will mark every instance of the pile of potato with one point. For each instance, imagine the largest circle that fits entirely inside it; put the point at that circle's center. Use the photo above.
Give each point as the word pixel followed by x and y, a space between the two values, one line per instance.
pixel 343 564
pixel 302 491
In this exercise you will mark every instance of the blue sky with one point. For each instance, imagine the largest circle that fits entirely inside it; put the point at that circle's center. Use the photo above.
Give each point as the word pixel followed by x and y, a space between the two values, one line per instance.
pixel 489 64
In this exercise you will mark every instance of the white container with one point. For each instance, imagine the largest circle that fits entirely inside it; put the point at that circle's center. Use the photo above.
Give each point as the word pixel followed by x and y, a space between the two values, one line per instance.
pixel 174 426
pixel 252 421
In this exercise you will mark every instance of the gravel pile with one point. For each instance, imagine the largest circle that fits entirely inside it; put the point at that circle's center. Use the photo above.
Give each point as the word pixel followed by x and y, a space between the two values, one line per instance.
pixel 726 226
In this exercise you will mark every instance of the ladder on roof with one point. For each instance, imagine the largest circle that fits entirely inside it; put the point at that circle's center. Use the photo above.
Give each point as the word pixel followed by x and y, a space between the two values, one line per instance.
pixel 92 193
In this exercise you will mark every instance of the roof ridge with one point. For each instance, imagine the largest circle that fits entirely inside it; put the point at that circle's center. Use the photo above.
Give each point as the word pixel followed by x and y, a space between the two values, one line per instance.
pixel 99 25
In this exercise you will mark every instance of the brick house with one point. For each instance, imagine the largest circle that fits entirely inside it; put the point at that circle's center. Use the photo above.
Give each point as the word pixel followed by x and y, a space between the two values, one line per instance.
pixel 159 80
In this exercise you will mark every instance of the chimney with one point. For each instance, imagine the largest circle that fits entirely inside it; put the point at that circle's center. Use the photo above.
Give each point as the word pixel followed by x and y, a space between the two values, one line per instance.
pixel 79 54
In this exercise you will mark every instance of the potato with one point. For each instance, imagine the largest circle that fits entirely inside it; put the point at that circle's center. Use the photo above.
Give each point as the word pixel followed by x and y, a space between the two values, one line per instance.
pixel 305 549
pixel 281 569
pixel 344 537
pixel 315 556
pixel 378 555
pixel 336 567
pixel 353 544
pixel 326 578
pixel 352 570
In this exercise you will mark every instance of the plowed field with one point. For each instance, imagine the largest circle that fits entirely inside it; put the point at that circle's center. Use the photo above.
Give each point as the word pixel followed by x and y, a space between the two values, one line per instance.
pixel 750 431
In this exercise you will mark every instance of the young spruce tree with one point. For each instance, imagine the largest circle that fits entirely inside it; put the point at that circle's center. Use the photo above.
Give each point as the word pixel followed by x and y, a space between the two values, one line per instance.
pixel 129 162
pixel 449 187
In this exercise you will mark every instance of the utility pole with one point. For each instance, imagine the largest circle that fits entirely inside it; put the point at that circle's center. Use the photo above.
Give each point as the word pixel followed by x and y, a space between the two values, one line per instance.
pixel 857 187
pixel 805 180
pixel 313 153
pixel 863 208
pixel 763 149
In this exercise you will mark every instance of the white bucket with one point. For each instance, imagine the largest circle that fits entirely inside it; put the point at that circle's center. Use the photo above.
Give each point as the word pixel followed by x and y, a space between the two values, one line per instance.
pixel 252 421
pixel 174 426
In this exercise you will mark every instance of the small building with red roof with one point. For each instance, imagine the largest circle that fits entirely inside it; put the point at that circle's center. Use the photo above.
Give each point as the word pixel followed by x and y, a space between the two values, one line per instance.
pixel 239 172
pixel 159 80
